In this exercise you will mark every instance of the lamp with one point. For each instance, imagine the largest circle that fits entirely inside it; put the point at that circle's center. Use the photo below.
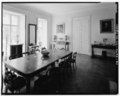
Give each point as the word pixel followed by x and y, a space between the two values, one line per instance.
pixel 66 38
pixel 105 40
pixel 55 38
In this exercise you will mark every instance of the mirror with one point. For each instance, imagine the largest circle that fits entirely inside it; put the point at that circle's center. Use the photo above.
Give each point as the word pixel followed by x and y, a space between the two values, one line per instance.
pixel 32 34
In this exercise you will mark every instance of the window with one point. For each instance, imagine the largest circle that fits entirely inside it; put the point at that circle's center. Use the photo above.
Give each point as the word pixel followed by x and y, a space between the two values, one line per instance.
pixel 13 31
pixel 42 32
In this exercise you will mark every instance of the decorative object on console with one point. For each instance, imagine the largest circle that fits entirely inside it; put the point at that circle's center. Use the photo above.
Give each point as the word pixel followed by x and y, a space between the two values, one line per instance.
pixel 31 44
pixel 106 26
pixel 105 40
pixel 55 38
pixel 61 28
pixel 95 42
pixel 40 44
pixel 17 39
pixel 45 52
pixel 66 38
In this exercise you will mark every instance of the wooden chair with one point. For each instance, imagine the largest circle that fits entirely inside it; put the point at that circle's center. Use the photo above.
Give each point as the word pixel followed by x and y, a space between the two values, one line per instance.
pixel 73 60
pixel 47 83
pixel 25 53
pixel 41 84
pixel 62 71
pixel 68 63
pixel 13 82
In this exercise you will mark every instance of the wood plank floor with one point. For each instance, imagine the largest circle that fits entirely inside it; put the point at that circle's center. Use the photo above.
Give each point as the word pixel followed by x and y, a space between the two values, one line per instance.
pixel 93 76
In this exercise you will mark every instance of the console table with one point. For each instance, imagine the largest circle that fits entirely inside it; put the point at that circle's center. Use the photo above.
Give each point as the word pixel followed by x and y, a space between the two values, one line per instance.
pixel 61 45
pixel 101 46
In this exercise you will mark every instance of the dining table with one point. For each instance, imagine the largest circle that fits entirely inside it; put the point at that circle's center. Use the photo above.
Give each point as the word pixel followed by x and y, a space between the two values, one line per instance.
pixel 30 65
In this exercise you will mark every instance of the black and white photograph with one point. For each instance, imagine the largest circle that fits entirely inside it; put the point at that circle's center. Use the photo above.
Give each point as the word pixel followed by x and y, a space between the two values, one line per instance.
pixel 61 28
pixel 107 26
pixel 59 48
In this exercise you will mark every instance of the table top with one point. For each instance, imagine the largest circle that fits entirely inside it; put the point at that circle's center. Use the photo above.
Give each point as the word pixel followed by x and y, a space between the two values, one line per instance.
pixel 104 46
pixel 34 46
pixel 31 64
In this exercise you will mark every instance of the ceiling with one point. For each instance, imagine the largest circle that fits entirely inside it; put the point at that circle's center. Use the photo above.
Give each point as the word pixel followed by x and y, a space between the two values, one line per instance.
pixel 61 8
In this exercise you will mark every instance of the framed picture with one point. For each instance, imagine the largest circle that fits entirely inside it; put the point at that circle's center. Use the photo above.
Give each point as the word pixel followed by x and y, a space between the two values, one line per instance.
pixel 106 26
pixel 61 28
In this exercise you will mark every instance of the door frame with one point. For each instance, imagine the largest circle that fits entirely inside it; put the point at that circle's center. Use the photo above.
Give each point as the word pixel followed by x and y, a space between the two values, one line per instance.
pixel 89 36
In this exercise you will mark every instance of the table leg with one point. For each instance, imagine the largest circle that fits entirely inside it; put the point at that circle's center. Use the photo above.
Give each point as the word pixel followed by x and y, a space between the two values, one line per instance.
pixel 92 52
pixel 28 85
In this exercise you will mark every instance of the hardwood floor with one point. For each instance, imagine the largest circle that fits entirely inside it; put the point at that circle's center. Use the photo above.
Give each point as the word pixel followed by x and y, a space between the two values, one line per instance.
pixel 92 76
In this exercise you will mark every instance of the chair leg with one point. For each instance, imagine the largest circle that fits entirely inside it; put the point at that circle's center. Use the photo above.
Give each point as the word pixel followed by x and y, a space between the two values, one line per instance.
pixel 6 90
pixel 71 68
pixel 75 66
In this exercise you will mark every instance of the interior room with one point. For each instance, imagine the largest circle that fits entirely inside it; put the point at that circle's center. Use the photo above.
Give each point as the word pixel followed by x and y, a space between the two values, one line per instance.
pixel 59 48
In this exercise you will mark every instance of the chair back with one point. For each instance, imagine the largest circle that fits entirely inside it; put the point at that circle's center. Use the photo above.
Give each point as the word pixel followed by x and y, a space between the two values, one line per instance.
pixel 69 57
pixel 9 77
pixel 74 55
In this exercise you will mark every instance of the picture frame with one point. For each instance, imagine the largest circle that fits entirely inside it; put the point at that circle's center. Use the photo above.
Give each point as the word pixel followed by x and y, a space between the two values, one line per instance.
pixel 106 26
pixel 61 28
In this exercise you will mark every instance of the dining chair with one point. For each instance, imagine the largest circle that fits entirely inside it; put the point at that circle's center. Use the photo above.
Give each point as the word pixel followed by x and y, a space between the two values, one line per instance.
pixel 13 82
pixel 49 82
pixel 54 82
pixel 8 70
pixel 62 71
pixel 41 85
pixel 61 65
pixel 73 60
pixel 31 50
pixel 68 63
pixel 25 53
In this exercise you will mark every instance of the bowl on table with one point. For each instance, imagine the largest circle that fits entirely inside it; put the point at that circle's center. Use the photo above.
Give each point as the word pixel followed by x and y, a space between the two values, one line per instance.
pixel 45 53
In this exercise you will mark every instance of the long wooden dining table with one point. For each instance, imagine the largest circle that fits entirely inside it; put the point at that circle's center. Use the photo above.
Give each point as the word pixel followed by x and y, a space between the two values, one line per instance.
pixel 31 65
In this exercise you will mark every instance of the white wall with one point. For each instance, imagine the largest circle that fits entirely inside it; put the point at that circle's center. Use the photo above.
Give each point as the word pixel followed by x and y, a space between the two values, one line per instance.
pixel 95 16
pixel 95 29
pixel 31 18
pixel 59 20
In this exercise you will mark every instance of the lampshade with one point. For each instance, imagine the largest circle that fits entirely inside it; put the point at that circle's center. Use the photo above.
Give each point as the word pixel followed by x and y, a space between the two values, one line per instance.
pixel 55 37
pixel 66 37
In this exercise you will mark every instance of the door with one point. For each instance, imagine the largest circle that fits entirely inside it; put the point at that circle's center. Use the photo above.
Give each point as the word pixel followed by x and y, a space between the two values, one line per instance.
pixel 81 35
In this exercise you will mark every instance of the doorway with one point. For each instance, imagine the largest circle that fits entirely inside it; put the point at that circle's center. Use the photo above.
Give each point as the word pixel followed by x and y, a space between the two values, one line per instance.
pixel 81 35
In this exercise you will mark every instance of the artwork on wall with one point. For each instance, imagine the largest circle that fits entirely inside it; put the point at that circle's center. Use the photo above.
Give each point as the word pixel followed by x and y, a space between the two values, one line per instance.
pixel 61 28
pixel 106 26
